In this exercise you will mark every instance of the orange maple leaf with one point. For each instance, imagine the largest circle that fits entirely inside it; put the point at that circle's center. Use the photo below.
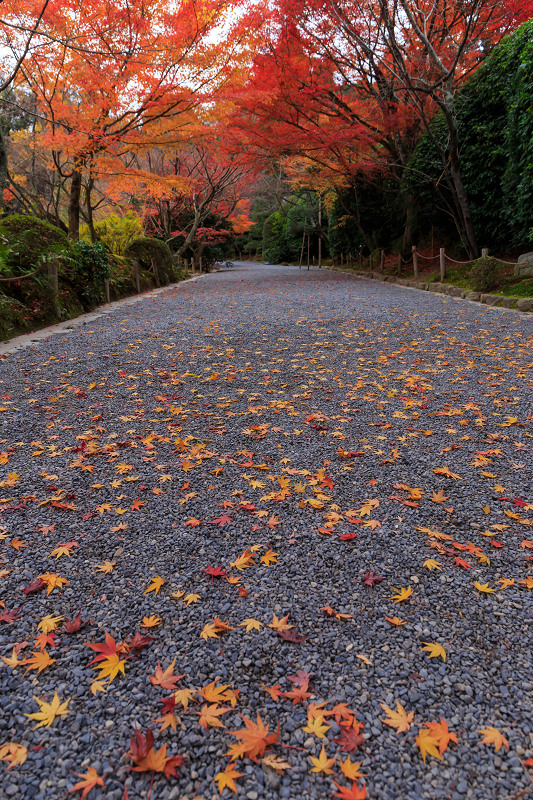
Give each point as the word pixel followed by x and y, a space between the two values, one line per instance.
pixel 254 739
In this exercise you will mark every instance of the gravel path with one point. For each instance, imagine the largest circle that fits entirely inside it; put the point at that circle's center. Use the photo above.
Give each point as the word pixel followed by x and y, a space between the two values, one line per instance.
pixel 297 430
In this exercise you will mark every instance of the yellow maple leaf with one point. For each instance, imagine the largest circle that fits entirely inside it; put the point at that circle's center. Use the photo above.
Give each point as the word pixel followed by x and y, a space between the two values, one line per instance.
pixel 155 586
pixel 434 650
pixel 428 745
pixel 431 564
pixel 484 588
pixel 15 754
pixel 401 720
pixel 49 623
pixel 280 624
pixel 493 736
pixel 401 594
pixel 317 726
pixel 322 764
pixel 49 711
pixel 151 622
pixel 209 716
pixel 351 769
pixel 226 779
pixel 251 624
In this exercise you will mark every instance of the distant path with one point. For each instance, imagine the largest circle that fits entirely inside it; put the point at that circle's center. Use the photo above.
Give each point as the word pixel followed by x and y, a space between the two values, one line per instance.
pixel 296 430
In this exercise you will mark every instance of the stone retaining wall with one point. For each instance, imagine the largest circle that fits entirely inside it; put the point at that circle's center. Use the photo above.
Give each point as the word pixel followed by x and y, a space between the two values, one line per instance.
pixel 524 304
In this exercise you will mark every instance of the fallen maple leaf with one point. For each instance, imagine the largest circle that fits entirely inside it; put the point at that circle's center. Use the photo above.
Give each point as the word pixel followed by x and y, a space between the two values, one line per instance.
pixel 484 588
pixel 401 720
pixel 254 739
pixel 493 736
pixel 146 759
pixel 49 711
pixel 280 624
pixel 226 779
pixel 322 764
pixel 40 660
pixel 90 779
pixel 291 636
pixel 166 679
pixel 395 621
pixel 209 716
pixel 351 738
pixel 155 586
pixel 351 769
pixel 440 732
pixel 353 793
pixel 15 754
pixel 434 650
pixel 401 594
pixel 428 745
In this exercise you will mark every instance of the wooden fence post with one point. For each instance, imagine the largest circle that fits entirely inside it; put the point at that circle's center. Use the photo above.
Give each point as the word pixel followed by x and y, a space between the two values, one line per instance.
pixel 485 252
pixel 156 272
pixel 136 275
pixel 201 264
pixel 399 263
pixel 382 261
pixel 370 262
pixel 415 261
pixel 107 292
pixel 442 262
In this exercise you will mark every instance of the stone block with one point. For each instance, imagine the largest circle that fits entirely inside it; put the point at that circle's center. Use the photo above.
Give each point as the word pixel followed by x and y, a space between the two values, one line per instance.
pixel 525 304
pixel 524 267
pixel 473 296
pixel 491 299
pixel 455 291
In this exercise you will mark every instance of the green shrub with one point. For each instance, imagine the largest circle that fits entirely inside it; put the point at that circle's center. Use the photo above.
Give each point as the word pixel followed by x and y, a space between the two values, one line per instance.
pixel 13 316
pixel 485 274
pixel 116 231
pixel 31 241
pixel 90 264
pixel 144 250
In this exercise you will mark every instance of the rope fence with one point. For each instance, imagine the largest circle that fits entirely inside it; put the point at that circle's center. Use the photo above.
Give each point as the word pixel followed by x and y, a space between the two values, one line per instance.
pixel 442 258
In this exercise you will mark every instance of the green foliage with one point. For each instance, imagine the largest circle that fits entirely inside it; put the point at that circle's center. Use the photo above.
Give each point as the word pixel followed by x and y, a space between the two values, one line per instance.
pixel 495 118
pixel 485 274
pixel 275 244
pixel 116 231
pixel 283 229
pixel 31 241
pixel 13 316
pixel 144 250
pixel 380 217
pixel 90 264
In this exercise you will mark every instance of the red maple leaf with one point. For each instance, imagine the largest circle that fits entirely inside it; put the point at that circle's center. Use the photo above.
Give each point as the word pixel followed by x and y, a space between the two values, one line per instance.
pixel 222 520
pixel 351 738
pixel 75 624
pixel 216 572
pixel 371 578
pixel 291 635
pixel 139 642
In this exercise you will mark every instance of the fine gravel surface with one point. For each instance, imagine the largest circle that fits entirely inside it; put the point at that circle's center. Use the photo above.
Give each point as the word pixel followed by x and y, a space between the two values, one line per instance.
pixel 297 430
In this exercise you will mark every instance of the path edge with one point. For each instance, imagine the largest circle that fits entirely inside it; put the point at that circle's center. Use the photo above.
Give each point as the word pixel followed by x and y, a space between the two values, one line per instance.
pixel 27 339
pixel 496 301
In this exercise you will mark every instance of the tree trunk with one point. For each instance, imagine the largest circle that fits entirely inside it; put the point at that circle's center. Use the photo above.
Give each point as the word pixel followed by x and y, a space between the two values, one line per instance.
pixel 463 203
pixel 410 221
pixel 89 209
pixel 74 206
pixel 3 165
